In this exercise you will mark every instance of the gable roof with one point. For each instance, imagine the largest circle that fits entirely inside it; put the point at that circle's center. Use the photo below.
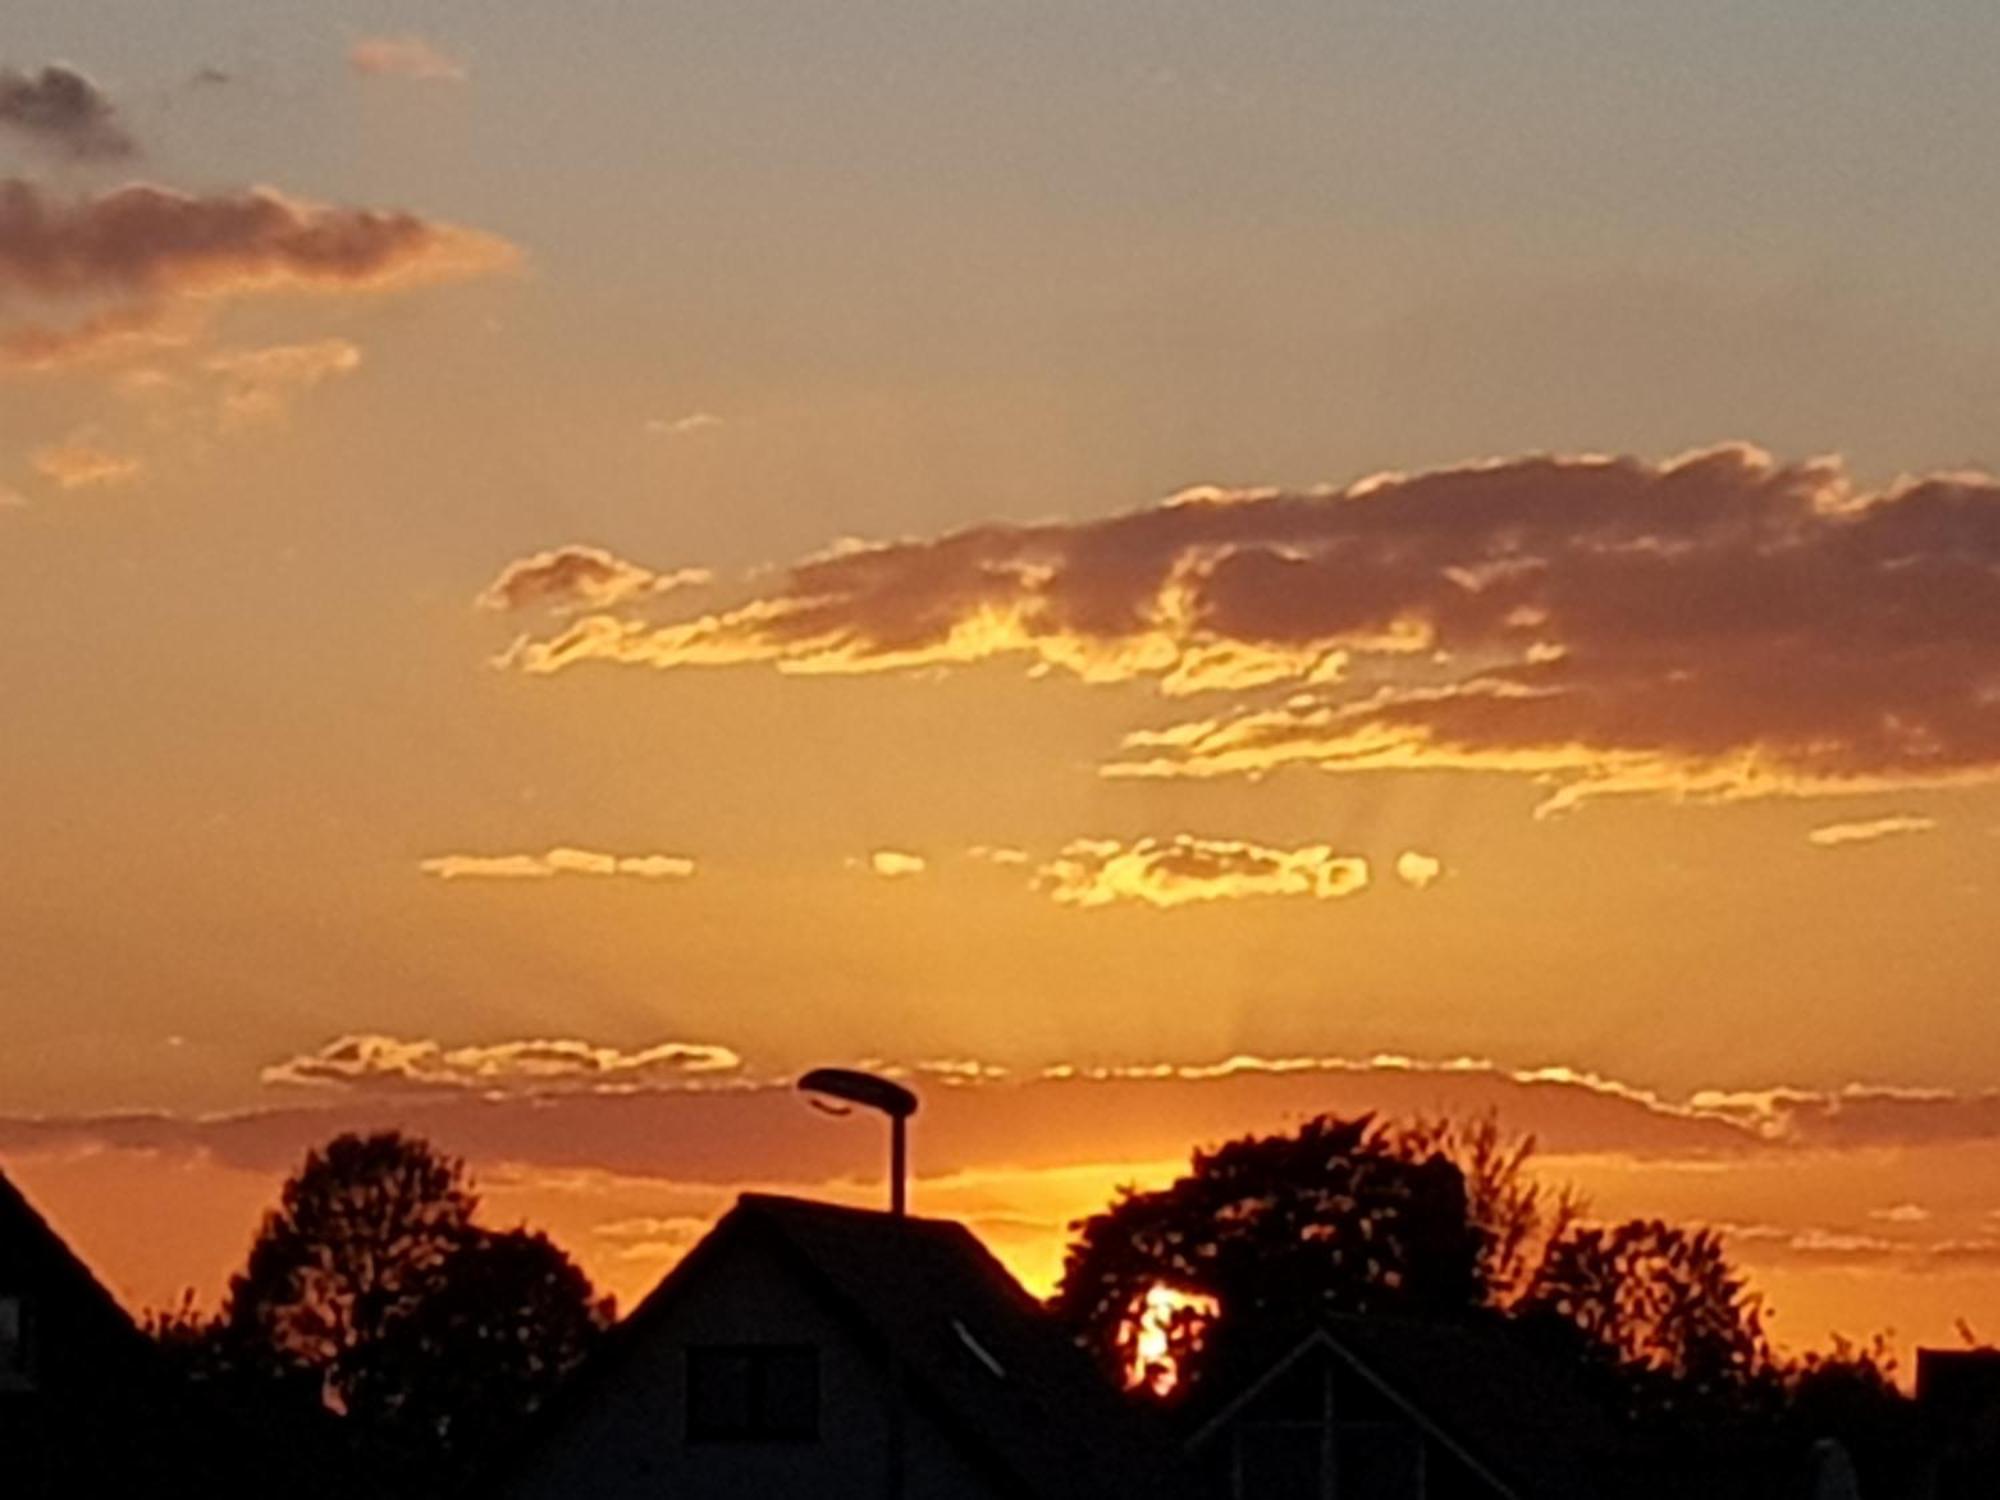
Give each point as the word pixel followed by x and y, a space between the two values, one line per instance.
pixel 975 1350
pixel 34 1258
pixel 1508 1414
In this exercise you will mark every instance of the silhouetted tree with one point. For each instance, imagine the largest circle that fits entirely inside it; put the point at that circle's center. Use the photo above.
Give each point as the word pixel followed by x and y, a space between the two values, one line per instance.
pixel 1517 1215
pixel 508 1317
pixel 1342 1216
pixel 359 1239
pixel 369 1291
pixel 1432 1219
pixel 1660 1316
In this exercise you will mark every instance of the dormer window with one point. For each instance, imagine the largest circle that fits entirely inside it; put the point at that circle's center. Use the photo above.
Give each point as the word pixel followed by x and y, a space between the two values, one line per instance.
pixel 16 1357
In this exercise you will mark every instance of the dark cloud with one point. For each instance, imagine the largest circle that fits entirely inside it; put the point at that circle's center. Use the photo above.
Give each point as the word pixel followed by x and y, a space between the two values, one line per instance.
pixel 62 110
pixel 145 241
pixel 1721 625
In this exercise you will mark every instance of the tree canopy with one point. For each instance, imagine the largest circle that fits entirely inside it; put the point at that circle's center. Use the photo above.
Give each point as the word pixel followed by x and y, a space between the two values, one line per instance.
pixel 1433 1219
pixel 371 1291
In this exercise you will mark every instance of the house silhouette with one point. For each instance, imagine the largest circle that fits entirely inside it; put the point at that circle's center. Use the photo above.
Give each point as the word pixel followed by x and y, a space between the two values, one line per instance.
pixel 807 1350
pixel 1395 1409
pixel 89 1408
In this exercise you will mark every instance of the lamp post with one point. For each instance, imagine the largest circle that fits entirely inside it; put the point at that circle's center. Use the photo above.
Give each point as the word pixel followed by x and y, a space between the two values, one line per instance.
pixel 879 1094
pixel 853 1087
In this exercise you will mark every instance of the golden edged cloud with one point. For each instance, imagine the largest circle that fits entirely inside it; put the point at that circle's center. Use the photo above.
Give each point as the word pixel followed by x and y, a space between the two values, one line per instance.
pixel 376 1063
pixel 558 861
pixel 77 465
pixel 565 579
pixel 896 864
pixel 1185 869
pixel 405 57
pixel 1868 831
pixel 1718 625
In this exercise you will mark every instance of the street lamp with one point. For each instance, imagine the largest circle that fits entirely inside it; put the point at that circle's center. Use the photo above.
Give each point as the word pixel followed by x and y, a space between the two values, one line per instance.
pixel 871 1092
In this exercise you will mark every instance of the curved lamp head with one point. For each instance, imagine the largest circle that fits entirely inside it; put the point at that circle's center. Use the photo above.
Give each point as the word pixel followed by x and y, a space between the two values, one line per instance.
pixel 864 1089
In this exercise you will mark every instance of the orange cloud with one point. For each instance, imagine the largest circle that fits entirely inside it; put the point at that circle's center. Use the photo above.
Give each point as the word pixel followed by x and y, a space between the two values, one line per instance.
pixel 1833 835
pixel 404 57
pixel 579 577
pixel 61 109
pixel 1184 869
pixel 1720 625
pixel 557 861
pixel 78 465
pixel 542 1065
pixel 896 864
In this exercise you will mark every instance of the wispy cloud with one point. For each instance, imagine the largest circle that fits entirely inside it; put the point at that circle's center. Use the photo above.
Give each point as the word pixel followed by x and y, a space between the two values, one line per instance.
pixel 260 384
pixel 405 57
pixel 693 422
pixel 579 577
pixel 896 864
pixel 117 333
pixel 1833 835
pixel 376 1063
pixel 1185 869
pixel 558 861
pixel 64 111
pixel 1721 625
pixel 77 464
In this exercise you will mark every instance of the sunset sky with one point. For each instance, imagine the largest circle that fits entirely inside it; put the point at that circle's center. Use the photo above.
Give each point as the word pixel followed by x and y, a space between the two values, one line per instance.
pixel 1159 566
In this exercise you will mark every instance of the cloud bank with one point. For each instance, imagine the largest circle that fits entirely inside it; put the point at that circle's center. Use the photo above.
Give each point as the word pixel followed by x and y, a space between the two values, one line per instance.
pixel 1184 869
pixel 1720 625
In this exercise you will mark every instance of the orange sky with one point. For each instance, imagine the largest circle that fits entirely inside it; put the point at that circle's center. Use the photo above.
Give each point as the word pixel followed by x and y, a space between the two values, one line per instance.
pixel 1155 574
